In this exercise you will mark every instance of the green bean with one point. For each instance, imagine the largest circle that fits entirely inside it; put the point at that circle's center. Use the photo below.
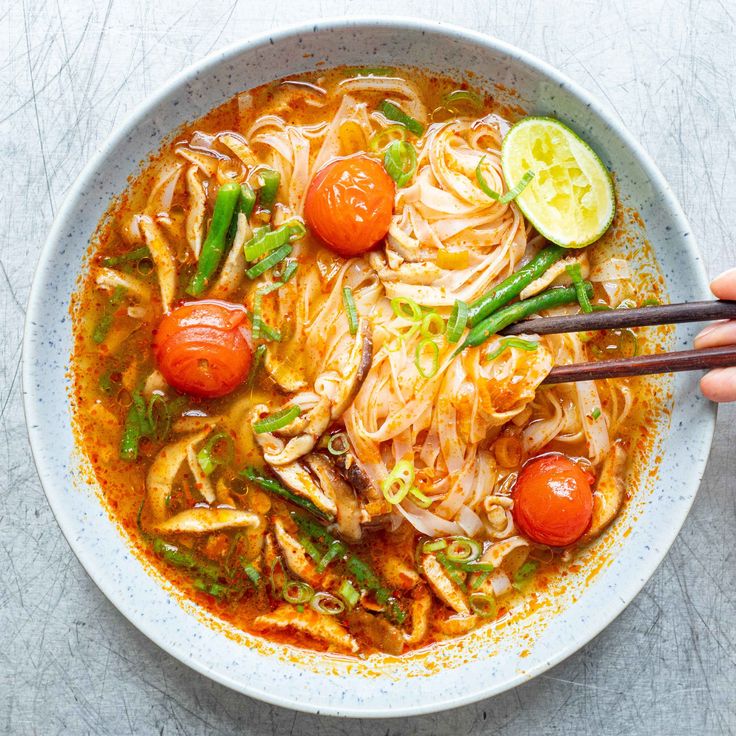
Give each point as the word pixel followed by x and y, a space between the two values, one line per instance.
pixel 133 255
pixel 182 557
pixel 247 200
pixel 270 187
pixel 273 486
pixel 214 244
pixel 136 427
pixel 513 285
pixel 520 310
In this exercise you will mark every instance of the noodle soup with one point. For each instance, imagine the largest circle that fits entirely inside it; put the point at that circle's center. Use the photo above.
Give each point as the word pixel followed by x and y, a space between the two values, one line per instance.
pixel 290 380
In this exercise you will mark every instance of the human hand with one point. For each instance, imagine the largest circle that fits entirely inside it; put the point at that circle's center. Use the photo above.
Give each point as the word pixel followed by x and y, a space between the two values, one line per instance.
pixel 719 384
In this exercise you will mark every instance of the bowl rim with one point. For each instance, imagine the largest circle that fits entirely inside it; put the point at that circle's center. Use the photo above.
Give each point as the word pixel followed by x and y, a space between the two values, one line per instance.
pixel 627 591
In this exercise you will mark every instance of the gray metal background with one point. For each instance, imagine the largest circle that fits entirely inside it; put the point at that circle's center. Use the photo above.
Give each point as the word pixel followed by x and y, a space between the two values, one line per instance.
pixel 70 70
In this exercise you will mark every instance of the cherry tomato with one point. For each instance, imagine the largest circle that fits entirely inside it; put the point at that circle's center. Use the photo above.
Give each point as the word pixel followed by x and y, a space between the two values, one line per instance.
pixel 349 204
pixel 553 501
pixel 203 348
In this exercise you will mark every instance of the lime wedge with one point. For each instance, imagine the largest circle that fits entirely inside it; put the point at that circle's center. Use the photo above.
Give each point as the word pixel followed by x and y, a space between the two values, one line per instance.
pixel 570 200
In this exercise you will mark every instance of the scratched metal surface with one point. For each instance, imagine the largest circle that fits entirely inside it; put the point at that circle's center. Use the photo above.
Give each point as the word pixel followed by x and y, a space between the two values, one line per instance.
pixel 69 662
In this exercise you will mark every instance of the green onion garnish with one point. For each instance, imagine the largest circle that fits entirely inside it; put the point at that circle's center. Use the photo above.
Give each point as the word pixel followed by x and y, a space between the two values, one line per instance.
pixel 579 284
pixel 451 569
pixel 336 549
pixel 338 444
pixel 207 457
pixel 434 546
pixel 398 482
pixel 265 240
pixel 277 420
pixel 289 270
pixel 525 573
pixel 463 549
pixel 310 548
pixel 406 308
pixel 108 315
pixel 386 136
pixel 595 413
pixel 132 255
pixel 295 592
pixel 483 604
pixel 479 580
pixel 395 113
pixel 400 161
pixel 511 342
pixel 269 262
pixel 349 302
pixel 327 603
pixel 458 320
pixel 253 575
pixel 348 593
pixel 424 502
pixel 259 326
pixel 434 358
pixel 512 194
pixel 270 180
pixel 433 325
pixel 463 95
pixel 273 486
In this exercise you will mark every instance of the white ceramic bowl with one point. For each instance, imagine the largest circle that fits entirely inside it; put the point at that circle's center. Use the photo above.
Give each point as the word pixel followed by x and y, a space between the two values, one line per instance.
pixel 488 661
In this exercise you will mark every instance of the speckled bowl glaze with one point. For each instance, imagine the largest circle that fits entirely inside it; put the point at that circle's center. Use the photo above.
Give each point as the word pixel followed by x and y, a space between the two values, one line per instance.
pixel 487 661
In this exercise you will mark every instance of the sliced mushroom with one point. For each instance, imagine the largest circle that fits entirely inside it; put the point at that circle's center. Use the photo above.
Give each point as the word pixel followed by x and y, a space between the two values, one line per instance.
pixel 332 484
pixel 298 479
pixel 163 470
pixel 610 492
pixel 163 259
pixel 203 521
pixel 356 476
pixel 458 625
pixel 444 587
pixel 316 625
pixel 397 573
pixel 377 630
pixel 203 484
pixel 294 555
pixel 421 608
pixel 197 208
pixel 509 553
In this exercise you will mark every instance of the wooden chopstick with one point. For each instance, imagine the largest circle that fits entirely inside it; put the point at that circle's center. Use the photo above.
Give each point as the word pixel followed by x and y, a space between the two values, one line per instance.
pixel 611 319
pixel 685 360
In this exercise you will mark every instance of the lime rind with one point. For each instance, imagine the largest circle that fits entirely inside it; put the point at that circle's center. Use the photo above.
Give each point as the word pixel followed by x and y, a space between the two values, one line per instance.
pixel 571 200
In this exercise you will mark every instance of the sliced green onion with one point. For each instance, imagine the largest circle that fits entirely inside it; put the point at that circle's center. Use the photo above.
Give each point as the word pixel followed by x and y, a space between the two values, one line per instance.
pixel 272 574
pixel 214 589
pixel 182 557
pixel 480 578
pixel 278 420
pixel 434 358
pixel 394 612
pixel 310 548
pixel 135 428
pixel 579 284
pixel 511 342
pixel 434 545
pixel 399 481
pixel 512 194
pixel 269 262
pixel 255 366
pixel 370 71
pixel 463 95
pixel 433 325
pixel 651 302
pixel 596 413
pixel 289 270
pixel 327 603
pixel 395 113
pixel 132 255
pixel 253 575
pixel 348 593
pixel 387 136
pixel 338 444
pixel 483 604
pixel 458 320
pixel 108 315
pixel 208 459
pixel 451 569
pixel 400 161
pixel 264 240
pixel 270 180
pixel 158 421
pixel 247 200
pixel 363 573
pixel 473 566
pixel 424 502
pixel 349 302
pixel 295 591
pixel 273 486
pixel 406 308
pixel 463 549
pixel 259 326
pixel 269 333
pixel 336 549
pixel 525 573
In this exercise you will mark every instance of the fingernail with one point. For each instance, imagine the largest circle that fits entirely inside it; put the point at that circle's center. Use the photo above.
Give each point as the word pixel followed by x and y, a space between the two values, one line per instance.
pixel 705 331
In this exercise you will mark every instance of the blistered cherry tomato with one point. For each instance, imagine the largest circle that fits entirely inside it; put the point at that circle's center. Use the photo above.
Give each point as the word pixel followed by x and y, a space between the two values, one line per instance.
pixel 553 501
pixel 349 204
pixel 203 348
